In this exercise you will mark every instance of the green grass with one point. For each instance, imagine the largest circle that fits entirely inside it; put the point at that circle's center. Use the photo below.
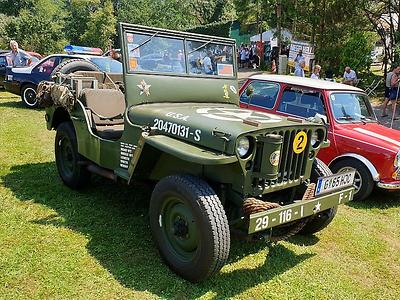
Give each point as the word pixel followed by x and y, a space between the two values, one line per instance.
pixel 61 244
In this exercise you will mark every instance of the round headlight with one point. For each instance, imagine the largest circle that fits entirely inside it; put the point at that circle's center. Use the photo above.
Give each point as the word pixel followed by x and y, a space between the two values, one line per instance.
pixel 397 160
pixel 314 138
pixel 243 146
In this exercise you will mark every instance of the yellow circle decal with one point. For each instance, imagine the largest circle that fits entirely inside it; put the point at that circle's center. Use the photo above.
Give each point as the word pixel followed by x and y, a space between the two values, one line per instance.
pixel 300 142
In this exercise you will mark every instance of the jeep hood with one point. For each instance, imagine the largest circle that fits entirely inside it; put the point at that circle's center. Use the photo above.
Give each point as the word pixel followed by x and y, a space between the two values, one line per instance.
pixel 215 126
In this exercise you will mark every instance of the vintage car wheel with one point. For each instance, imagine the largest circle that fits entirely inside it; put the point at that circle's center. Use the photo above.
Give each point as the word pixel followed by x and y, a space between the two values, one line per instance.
pixel 189 226
pixel 322 219
pixel 74 65
pixel 363 182
pixel 28 96
pixel 72 173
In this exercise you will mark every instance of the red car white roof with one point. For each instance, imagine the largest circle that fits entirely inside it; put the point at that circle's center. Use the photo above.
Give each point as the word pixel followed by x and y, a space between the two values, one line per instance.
pixel 308 82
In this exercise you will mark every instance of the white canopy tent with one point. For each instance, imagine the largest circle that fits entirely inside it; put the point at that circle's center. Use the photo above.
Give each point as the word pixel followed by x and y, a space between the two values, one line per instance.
pixel 269 36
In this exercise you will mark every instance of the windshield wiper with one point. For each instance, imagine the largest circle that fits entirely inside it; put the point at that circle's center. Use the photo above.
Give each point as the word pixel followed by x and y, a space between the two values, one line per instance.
pixel 201 46
pixel 145 42
pixel 346 118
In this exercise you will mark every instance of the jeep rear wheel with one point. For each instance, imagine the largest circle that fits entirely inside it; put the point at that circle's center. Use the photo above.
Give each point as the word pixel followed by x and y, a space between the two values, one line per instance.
pixel 72 173
pixel 28 96
pixel 322 219
pixel 189 226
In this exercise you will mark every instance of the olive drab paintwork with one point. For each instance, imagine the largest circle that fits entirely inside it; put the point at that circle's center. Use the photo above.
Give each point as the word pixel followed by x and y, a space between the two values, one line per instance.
pixel 173 117
pixel 187 122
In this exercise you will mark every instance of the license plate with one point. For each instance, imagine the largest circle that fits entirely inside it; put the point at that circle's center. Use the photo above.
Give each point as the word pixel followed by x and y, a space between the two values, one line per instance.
pixel 274 217
pixel 334 182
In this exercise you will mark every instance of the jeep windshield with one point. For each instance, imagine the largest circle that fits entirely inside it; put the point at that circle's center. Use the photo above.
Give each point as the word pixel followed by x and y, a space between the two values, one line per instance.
pixel 351 107
pixel 156 53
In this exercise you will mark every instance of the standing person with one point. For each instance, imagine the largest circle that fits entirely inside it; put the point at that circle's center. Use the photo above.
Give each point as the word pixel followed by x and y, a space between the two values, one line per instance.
pixel 316 72
pixel 349 76
pixel 388 86
pixel 242 57
pixel 394 94
pixel 300 63
pixel 18 57
pixel 207 64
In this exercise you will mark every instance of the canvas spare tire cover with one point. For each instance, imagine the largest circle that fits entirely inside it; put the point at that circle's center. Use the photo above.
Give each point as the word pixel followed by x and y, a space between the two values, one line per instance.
pixel 73 65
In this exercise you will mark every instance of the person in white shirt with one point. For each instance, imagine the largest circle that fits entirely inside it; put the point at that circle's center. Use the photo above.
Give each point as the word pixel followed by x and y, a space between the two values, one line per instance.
pixel 316 72
pixel 207 63
pixel 349 76
pixel 299 65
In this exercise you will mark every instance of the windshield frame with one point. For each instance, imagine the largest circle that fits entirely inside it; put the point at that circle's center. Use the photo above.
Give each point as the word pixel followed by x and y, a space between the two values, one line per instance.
pixel 185 37
pixel 353 121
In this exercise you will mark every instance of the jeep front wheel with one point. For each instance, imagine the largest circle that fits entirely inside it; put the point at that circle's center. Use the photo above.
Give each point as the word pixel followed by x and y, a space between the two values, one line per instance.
pixel 72 173
pixel 322 219
pixel 189 226
pixel 28 96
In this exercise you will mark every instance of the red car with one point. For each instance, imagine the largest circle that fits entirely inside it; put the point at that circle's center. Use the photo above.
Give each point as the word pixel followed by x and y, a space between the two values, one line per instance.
pixel 357 139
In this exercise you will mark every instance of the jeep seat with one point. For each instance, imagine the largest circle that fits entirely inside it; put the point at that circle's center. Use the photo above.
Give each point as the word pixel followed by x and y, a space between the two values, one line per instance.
pixel 105 109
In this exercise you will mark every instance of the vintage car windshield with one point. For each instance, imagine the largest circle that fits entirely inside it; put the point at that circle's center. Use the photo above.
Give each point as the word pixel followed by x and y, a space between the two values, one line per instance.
pixel 350 107
pixel 159 54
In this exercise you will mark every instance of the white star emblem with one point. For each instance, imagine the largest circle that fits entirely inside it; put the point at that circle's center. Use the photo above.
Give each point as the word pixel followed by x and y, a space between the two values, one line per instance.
pixel 144 88
pixel 317 207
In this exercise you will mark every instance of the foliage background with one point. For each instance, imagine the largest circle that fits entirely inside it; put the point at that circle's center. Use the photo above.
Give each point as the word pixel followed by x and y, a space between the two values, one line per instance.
pixel 341 29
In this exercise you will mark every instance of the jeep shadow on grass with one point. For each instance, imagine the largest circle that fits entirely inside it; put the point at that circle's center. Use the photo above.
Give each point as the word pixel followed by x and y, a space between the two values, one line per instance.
pixel 115 220
pixel 172 117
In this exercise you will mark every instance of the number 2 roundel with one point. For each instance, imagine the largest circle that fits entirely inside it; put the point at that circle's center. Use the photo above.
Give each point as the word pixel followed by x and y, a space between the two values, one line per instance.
pixel 300 142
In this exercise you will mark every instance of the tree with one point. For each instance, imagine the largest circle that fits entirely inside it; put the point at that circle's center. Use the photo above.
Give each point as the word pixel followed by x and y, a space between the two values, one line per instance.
pixel 101 27
pixel 78 15
pixel 39 28
pixel 13 7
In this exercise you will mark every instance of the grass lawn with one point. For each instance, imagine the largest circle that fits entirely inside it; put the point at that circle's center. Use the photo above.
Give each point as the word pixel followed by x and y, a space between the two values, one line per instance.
pixel 61 244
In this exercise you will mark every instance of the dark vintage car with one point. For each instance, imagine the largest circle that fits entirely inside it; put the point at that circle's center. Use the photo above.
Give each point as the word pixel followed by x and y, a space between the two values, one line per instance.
pixel 36 57
pixel 24 81
pixel 357 139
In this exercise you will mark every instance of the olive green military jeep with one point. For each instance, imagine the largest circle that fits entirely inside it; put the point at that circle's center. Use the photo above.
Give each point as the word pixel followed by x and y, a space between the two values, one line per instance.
pixel 172 117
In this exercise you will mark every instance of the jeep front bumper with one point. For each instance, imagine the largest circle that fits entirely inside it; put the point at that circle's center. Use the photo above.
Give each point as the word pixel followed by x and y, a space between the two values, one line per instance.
pixel 298 210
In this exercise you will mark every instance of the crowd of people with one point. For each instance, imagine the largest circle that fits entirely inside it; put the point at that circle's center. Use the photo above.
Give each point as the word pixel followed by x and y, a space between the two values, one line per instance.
pixel 248 56
pixel 349 75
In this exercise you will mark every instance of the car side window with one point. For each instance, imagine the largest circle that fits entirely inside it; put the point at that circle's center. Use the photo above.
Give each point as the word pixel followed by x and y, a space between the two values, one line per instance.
pixel 47 66
pixel 260 93
pixel 3 61
pixel 301 103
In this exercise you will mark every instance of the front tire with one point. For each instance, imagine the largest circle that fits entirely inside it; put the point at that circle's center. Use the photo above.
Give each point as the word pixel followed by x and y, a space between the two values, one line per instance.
pixel 72 173
pixel 189 226
pixel 322 219
pixel 28 96
pixel 363 182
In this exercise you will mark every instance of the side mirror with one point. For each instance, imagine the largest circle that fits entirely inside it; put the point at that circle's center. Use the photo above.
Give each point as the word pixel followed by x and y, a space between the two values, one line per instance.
pixel 249 91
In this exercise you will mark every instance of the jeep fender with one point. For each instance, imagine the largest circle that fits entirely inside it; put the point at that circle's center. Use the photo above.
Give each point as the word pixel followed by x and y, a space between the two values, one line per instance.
pixel 180 149
pixel 365 161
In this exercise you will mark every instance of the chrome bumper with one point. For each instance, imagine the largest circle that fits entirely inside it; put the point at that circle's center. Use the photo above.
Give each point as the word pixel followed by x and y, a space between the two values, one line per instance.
pixel 389 186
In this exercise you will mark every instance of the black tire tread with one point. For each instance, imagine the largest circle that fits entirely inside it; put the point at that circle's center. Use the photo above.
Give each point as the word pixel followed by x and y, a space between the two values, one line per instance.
pixel 324 218
pixel 368 182
pixel 212 210
pixel 25 86
pixel 82 177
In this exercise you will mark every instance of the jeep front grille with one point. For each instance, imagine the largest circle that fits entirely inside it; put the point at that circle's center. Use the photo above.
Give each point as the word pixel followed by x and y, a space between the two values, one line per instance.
pixel 292 166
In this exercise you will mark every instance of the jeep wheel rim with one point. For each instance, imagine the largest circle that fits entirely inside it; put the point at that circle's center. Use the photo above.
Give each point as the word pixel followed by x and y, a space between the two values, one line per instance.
pixel 67 156
pixel 357 178
pixel 179 227
pixel 30 96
